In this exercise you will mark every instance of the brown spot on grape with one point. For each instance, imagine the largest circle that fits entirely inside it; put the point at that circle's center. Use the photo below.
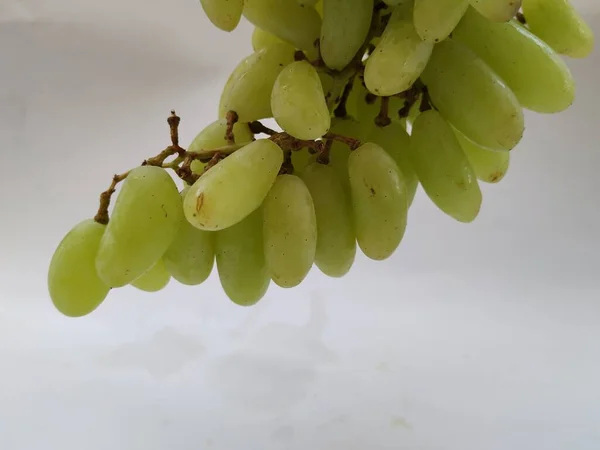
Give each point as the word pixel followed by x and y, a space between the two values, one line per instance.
pixel 372 192
pixel 495 176
pixel 199 202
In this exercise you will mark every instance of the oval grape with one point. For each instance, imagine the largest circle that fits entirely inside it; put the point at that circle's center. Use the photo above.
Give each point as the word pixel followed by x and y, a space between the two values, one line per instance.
pixel 143 223
pixel 74 285
pixel 379 201
pixel 489 166
pixel 443 168
pixel 298 102
pixel 336 239
pixel 497 10
pixel 435 19
pixel 472 97
pixel 290 231
pixel 154 280
pixel 344 29
pixel 225 15
pixel 234 187
pixel 248 88
pixel 519 57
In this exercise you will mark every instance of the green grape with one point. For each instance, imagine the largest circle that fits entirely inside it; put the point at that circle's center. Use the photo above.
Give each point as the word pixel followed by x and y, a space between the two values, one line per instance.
pixel 489 166
pixel 241 260
pixel 290 231
pixel 435 19
pixel 307 2
pixel 399 58
pixel 472 97
pixel 73 283
pixel 143 223
pixel 263 39
pixel 224 14
pixel 234 187
pixel 297 25
pixel 248 89
pixel 197 167
pixel 154 280
pixel 396 142
pixel 336 239
pixel 519 58
pixel 298 102
pixel 560 26
pixel 345 27
pixel 393 2
pixel 190 257
pixel 319 8
pixel 497 10
pixel 443 169
pixel 379 201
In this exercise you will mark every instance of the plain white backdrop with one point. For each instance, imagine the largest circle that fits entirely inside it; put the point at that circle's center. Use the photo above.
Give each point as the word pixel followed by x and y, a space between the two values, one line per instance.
pixel 471 337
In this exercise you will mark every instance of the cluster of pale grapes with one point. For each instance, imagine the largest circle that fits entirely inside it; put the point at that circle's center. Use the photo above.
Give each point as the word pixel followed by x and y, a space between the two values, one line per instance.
pixel 373 98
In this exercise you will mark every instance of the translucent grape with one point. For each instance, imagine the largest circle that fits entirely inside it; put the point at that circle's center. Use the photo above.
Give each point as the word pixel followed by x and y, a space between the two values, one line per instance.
pixel 336 239
pixel 300 160
pixel 224 14
pixel 443 169
pixel 154 279
pixel 559 24
pixel 143 223
pixel 435 19
pixel 263 39
pixel 73 283
pixel 241 260
pixel 234 187
pixel 396 142
pixel 345 27
pixel 497 10
pixel 190 257
pixel 248 89
pixel 472 97
pixel 290 231
pixel 297 25
pixel 298 102
pixel 535 73
pixel 379 201
pixel 399 58
pixel 489 166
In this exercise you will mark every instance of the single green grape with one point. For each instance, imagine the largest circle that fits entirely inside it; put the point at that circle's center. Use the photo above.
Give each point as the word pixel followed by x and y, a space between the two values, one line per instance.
pixel 400 57
pixel 298 102
pixel 489 166
pixel 497 10
pixel 336 238
pixel 340 152
pixel 559 24
pixel 290 231
pixel 291 22
pixel 248 88
pixel 537 75
pixel 154 280
pixel 74 285
pixel 234 187
pixel 241 260
pixel 143 223
pixel 435 19
pixel 396 142
pixel 190 257
pixel 379 201
pixel 344 29
pixel 443 168
pixel 472 97
pixel 224 14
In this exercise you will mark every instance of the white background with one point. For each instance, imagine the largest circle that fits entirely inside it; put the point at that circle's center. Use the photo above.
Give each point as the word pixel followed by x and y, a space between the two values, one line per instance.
pixel 472 337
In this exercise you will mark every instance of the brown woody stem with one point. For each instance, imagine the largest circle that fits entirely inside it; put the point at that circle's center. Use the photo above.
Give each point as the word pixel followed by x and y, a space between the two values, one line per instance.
pixel 232 119
pixel 383 119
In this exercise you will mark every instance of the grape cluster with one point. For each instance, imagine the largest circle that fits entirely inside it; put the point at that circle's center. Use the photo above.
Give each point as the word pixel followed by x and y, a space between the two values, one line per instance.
pixel 373 98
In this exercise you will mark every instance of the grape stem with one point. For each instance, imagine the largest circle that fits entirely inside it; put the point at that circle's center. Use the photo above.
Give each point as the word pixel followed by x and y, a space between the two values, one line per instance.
pixel 521 18
pixel 232 119
pixel 383 119
pixel 102 214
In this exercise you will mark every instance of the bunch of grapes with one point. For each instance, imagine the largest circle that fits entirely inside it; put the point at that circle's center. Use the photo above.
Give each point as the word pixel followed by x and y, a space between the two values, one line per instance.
pixel 372 98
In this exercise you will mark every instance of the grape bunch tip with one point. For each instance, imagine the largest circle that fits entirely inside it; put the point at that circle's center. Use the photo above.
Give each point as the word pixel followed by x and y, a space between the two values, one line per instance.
pixel 373 98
